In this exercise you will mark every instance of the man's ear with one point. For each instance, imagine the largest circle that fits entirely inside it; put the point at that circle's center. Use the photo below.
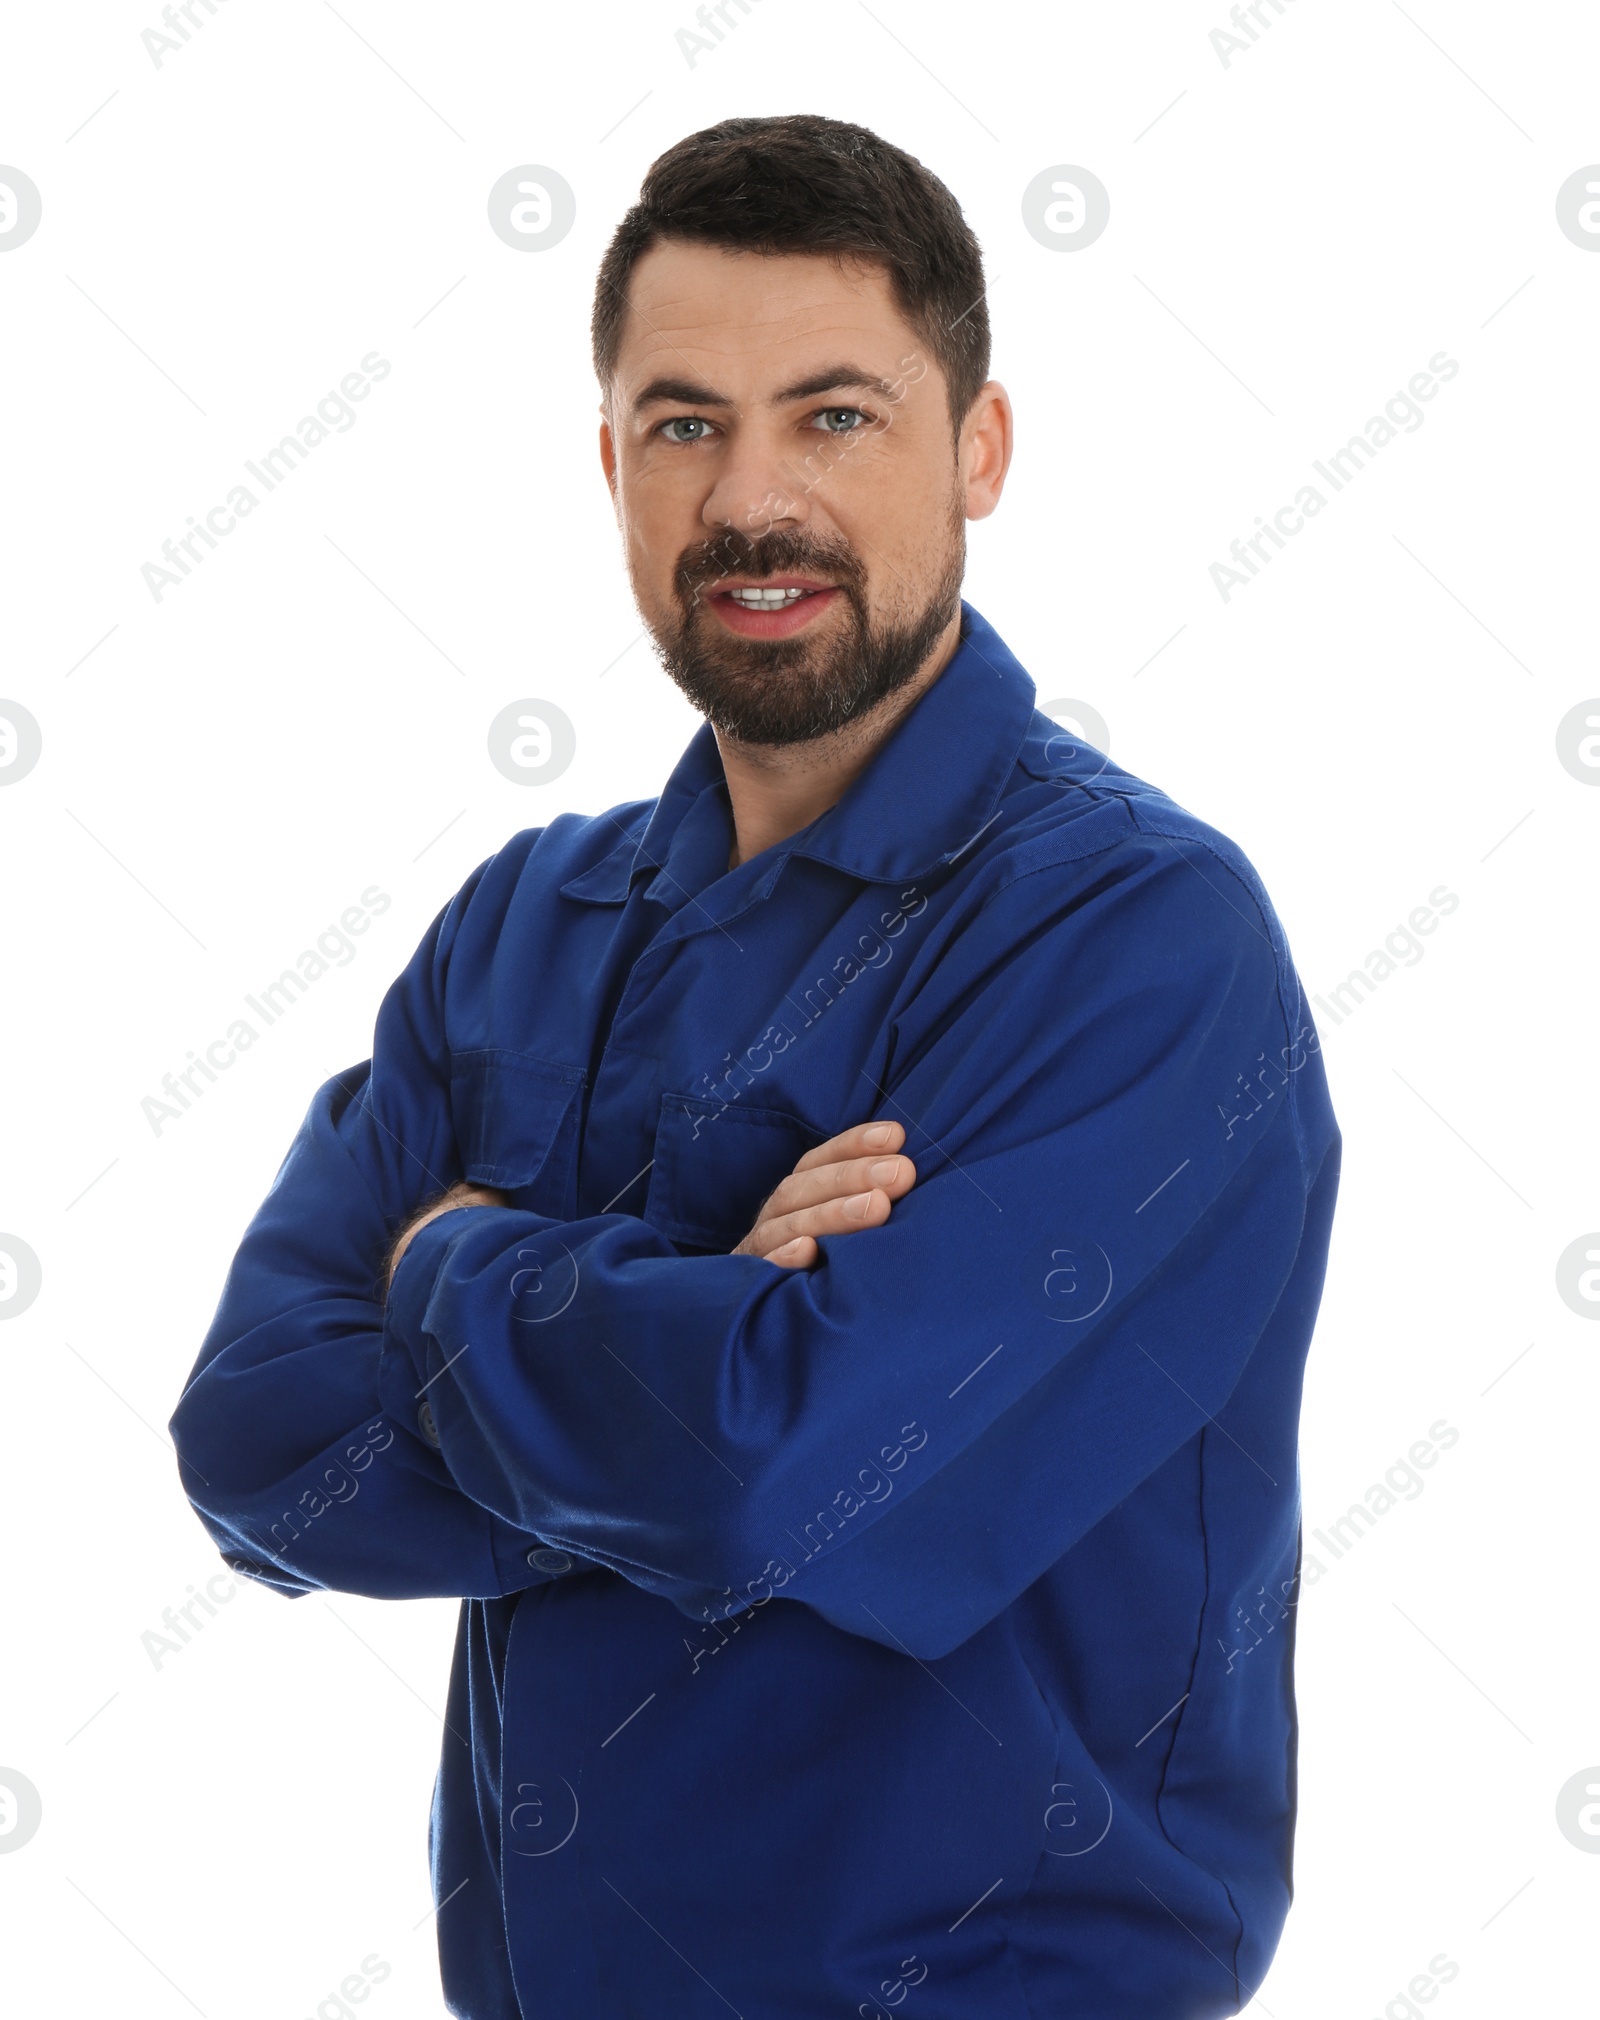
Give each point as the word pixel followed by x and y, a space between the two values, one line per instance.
pixel 608 451
pixel 985 449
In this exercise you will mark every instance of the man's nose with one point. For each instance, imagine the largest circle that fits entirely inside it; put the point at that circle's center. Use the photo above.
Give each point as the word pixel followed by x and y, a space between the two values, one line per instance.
pixel 757 487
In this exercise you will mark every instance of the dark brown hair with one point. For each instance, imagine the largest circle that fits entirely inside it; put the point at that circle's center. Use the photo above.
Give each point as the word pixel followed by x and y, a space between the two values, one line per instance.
pixel 800 183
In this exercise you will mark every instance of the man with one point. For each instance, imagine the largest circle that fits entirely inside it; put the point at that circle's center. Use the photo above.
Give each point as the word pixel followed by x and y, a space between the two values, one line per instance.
pixel 821 1262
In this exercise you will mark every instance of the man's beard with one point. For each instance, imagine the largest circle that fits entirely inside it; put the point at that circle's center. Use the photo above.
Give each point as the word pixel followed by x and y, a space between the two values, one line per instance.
pixel 791 690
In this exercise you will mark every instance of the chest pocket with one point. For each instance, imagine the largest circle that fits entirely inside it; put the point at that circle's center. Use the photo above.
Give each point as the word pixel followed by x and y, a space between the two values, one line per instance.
pixel 516 1123
pixel 715 1164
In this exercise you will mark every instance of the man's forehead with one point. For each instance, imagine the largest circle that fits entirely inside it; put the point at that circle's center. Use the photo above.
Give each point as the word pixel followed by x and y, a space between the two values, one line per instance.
pixel 686 298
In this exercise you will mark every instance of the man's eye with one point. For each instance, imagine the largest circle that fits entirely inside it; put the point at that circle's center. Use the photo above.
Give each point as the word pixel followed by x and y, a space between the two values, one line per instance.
pixel 839 420
pixel 689 421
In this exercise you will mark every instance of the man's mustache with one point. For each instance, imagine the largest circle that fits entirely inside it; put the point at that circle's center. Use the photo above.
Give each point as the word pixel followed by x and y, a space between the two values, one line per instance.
pixel 702 566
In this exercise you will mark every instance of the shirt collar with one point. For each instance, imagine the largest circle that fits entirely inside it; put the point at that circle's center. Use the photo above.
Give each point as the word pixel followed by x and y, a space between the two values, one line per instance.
pixel 928 793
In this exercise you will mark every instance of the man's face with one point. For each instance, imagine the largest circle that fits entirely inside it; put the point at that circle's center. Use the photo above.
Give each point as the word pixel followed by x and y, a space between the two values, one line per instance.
pixel 791 498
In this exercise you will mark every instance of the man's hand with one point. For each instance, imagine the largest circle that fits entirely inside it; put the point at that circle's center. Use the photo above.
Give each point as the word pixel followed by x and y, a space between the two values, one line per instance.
pixel 458 1195
pixel 845 1184
pixel 849 1182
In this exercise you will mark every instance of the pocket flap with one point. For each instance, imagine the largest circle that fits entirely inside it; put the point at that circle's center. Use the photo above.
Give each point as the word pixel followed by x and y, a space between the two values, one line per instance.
pixel 517 1125
pixel 715 1163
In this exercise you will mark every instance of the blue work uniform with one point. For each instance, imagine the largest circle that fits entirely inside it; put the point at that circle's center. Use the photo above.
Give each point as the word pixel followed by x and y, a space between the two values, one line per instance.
pixel 911 1635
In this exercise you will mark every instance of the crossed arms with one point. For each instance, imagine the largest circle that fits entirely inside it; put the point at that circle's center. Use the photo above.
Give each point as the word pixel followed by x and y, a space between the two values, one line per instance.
pixel 844 1185
pixel 683 1419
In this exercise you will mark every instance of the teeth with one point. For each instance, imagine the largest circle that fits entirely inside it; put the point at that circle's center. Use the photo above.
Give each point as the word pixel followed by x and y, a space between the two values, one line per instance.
pixel 766 599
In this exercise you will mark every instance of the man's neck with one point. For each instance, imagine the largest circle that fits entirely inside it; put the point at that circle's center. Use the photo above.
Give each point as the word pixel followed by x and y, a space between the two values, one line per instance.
pixel 778 789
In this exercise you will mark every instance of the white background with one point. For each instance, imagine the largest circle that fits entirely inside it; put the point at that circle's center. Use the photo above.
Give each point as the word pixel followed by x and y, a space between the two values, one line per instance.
pixel 1293 235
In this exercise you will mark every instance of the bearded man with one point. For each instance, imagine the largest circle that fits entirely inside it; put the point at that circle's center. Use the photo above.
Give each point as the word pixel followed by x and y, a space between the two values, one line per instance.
pixel 821 1262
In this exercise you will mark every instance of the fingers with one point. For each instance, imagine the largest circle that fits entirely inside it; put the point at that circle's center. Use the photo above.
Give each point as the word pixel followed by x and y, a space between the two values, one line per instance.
pixel 844 1215
pixel 892 1173
pixel 861 1141
pixel 798 1254
pixel 848 1183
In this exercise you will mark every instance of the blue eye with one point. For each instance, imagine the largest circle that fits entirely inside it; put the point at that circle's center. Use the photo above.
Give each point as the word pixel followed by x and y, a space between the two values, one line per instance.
pixel 851 417
pixel 684 421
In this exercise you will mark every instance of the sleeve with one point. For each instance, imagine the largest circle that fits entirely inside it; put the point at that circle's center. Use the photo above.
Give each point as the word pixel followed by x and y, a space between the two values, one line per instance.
pixel 1108 1107
pixel 284 1449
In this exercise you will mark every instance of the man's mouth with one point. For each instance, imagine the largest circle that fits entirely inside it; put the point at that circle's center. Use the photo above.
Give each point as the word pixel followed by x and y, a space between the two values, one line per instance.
pixel 764 599
pixel 771 609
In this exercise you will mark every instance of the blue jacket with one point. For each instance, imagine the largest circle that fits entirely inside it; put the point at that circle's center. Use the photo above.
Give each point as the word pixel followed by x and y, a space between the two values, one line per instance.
pixel 911 1635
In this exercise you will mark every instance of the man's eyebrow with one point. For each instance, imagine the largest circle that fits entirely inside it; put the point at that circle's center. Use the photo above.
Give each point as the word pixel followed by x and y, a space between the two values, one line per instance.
pixel 830 377
pixel 685 392
pixel 692 393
